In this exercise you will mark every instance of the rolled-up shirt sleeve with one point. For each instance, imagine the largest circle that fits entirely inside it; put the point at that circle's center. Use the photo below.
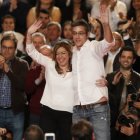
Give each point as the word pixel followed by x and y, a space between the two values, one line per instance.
pixel 102 47
pixel 35 55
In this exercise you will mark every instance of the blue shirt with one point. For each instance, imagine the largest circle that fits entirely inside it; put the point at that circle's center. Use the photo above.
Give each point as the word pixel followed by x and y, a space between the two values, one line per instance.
pixel 5 91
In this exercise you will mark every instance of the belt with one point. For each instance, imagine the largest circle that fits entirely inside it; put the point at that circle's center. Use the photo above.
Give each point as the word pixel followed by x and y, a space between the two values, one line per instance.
pixel 90 106
pixel 5 107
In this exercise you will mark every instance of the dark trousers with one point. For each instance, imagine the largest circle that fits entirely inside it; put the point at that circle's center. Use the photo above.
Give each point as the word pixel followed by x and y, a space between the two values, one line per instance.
pixel 58 122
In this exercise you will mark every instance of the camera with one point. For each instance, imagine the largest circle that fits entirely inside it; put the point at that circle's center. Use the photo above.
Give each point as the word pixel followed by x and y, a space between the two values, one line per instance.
pixel 123 120
pixel 135 96
pixel 49 136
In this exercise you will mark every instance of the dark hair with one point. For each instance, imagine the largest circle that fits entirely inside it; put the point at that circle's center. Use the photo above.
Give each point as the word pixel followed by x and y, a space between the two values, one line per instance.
pixel 101 29
pixel 82 130
pixel 83 23
pixel 33 132
pixel 130 49
pixel 7 16
pixel 84 8
pixel 66 45
pixel 44 11
pixel 38 4
pixel 67 22
pixel 9 36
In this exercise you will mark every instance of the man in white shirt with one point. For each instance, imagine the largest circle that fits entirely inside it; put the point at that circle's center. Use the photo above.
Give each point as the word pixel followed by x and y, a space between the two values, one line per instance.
pixel 91 99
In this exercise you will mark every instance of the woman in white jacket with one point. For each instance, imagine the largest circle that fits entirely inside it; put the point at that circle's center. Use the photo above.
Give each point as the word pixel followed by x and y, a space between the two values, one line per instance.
pixel 58 96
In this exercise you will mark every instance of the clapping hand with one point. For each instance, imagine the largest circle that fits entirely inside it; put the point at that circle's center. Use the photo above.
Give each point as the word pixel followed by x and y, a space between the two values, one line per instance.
pixel 117 78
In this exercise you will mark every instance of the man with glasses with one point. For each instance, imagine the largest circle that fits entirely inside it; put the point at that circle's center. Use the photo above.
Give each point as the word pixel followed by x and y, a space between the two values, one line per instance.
pixel 12 79
pixel 91 96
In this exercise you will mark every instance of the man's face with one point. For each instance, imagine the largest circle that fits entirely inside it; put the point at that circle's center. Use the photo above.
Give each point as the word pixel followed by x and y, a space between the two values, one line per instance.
pixel 8 49
pixel 126 60
pixel 118 42
pixel 45 18
pixel 53 32
pixel 80 36
pixel 8 24
pixel 38 42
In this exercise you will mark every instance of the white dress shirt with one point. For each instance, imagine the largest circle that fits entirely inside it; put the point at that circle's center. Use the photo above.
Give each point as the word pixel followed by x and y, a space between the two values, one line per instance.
pixel 58 93
pixel 88 67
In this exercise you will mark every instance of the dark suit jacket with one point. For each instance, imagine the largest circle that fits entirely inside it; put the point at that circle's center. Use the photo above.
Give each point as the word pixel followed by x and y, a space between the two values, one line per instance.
pixel 17 76
pixel 115 93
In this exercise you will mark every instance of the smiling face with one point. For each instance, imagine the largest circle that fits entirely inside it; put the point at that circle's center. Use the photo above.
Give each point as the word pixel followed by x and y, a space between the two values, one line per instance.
pixel 136 4
pixel 8 24
pixel 126 60
pixel 62 57
pixel 79 35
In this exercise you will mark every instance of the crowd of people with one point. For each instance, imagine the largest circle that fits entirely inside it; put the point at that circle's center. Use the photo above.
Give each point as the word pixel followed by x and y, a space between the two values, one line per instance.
pixel 71 68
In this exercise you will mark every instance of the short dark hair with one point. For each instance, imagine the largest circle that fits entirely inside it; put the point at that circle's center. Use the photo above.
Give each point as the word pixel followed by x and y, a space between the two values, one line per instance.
pixel 44 11
pixel 82 130
pixel 9 36
pixel 130 49
pixel 7 16
pixel 33 132
pixel 83 23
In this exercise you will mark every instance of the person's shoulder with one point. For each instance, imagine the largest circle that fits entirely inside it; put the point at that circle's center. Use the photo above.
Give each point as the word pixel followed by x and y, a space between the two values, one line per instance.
pixel 120 3
pixel 32 9
pixel 56 10
pixel 136 73
pixel 19 35
pixel 21 61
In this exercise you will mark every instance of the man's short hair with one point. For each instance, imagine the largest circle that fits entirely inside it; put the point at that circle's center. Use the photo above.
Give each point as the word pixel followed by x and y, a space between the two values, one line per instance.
pixel 7 17
pixel 83 23
pixel 82 130
pixel 130 49
pixel 44 11
pixel 33 132
pixel 9 36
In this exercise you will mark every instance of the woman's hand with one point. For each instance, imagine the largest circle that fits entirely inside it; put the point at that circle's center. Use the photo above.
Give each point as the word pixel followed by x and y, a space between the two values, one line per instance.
pixel 34 27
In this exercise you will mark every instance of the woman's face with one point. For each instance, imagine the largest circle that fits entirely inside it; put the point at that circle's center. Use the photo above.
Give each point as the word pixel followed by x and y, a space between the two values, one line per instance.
pixel 67 31
pixel 62 57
